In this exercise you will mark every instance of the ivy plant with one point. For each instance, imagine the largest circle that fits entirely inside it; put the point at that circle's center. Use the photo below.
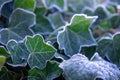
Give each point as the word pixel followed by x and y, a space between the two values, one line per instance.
pixel 59 40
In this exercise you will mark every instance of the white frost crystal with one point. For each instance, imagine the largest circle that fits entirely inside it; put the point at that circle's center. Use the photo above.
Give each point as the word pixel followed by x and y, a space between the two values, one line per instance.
pixel 80 68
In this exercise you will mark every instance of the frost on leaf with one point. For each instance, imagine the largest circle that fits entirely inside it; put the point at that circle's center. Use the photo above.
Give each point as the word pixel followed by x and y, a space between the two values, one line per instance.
pixel 80 68
pixel 76 34
pixel 40 51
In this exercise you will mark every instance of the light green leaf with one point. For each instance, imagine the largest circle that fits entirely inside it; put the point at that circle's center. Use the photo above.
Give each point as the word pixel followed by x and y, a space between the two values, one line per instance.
pixel 59 4
pixel 50 72
pixel 78 67
pixel 76 34
pixel 109 47
pixel 42 26
pixel 18 28
pixel 2 61
pixel 25 4
pixel 40 52
pixel 18 52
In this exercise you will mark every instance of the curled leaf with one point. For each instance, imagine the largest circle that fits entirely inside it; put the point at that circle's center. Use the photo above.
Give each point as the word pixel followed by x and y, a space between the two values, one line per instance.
pixel 80 68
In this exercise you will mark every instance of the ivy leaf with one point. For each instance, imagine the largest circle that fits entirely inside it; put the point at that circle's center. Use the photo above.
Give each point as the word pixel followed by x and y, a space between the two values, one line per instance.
pixel 101 12
pixel 59 4
pixel 6 75
pixel 109 47
pixel 18 52
pixel 56 20
pixel 2 2
pixel 7 9
pixel 50 72
pixel 112 22
pixel 88 11
pixel 78 5
pixel 40 52
pixel 4 52
pixel 84 69
pixel 42 26
pixel 115 21
pixel 88 51
pixel 76 34
pixel 16 25
pixel 2 61
pixel 25 4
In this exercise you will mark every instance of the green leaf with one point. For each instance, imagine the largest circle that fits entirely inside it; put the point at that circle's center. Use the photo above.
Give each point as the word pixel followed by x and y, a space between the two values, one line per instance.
pixel 105 24
pixel 78 67
pixel 88 51
pixel 42 26
pixel 4 52
pixel 6 75
pixel 111 23
pixel 40 52
pixel 2 61
pixel 18 27
pixel 50 72
pixel 76 34
pixel 109 47
pixel 18 52
pixel 56 20
pixel 101 12
pixel 88 11
pixel 25 4
pixel 115 21
pixel 78 5
pixel 59 4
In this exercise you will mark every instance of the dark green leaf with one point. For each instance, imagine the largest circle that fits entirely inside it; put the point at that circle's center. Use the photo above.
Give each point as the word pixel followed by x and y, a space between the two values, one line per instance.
pixel 88 51
pixel 115 21
pixel 42 26
pixel 7 9
pixel 50 72
pixel 109 47
pixel 76 34
pixel 40 52
pixel 4 52
pixel 101 12
pixel 78 67
pixel 18 27
pixel 2 2
pixel 6 75
pixel 18 52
